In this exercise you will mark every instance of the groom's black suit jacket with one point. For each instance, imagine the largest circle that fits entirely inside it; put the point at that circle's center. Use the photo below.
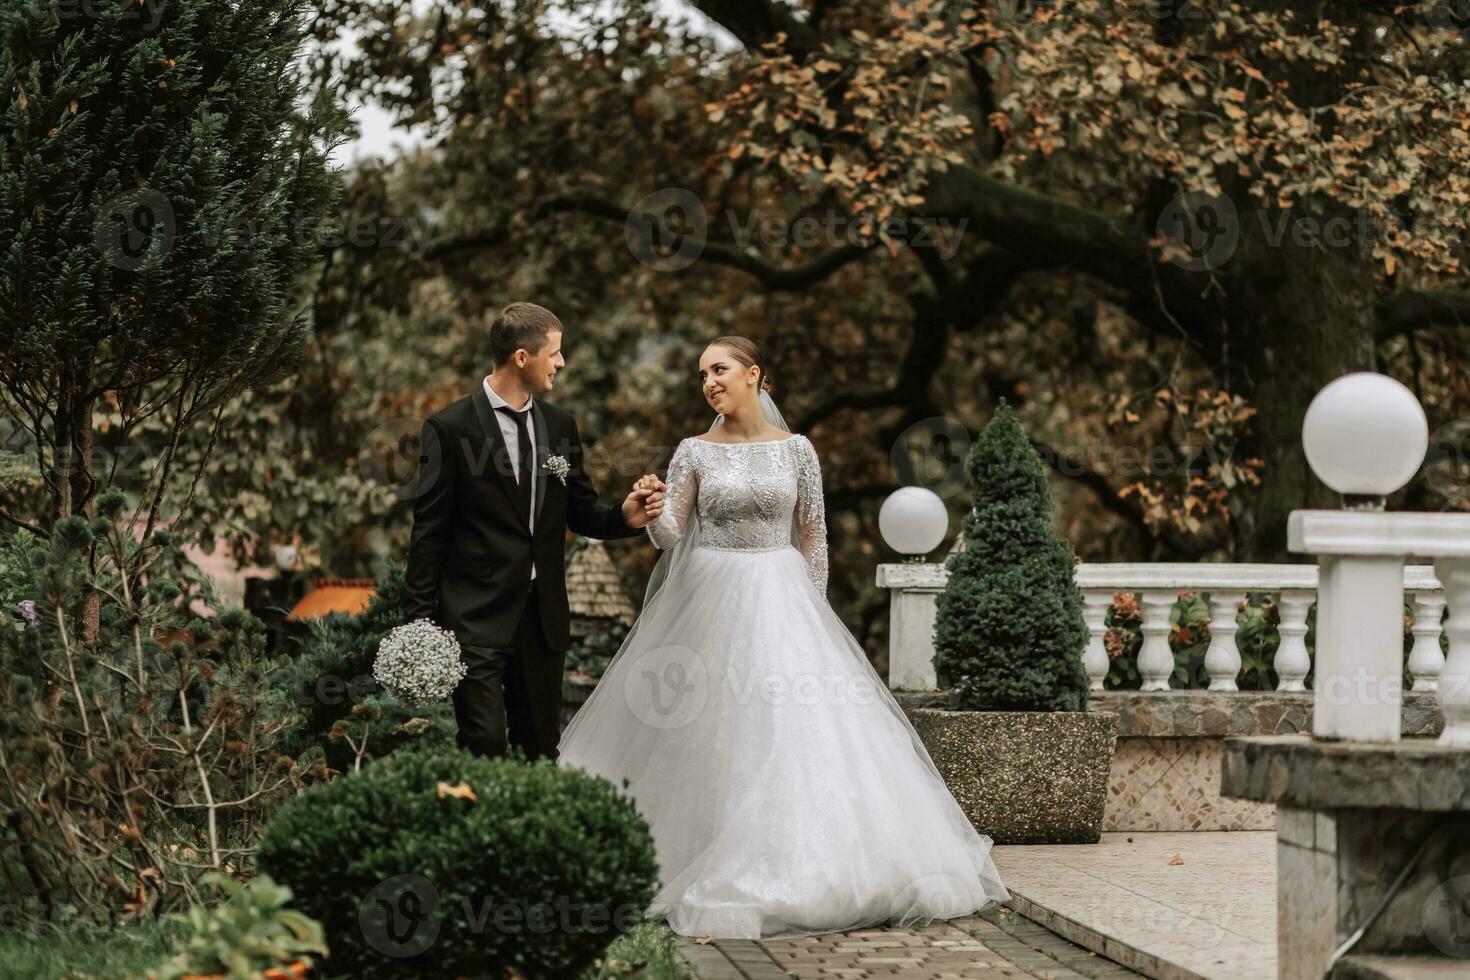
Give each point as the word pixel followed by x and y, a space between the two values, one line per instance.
pixel 469 556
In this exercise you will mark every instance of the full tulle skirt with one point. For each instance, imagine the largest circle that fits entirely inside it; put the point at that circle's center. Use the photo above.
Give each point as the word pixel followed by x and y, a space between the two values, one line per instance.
pixel 786 792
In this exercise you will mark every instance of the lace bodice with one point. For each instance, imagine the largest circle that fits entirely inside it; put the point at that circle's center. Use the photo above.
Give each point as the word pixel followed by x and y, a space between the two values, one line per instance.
pixel 748 495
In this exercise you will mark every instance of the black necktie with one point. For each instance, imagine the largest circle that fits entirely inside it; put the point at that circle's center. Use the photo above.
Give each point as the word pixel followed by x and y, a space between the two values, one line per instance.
pixel 523 454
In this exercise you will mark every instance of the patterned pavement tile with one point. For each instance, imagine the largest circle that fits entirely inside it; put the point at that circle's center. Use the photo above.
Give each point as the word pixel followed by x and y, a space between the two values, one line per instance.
pixel 991 946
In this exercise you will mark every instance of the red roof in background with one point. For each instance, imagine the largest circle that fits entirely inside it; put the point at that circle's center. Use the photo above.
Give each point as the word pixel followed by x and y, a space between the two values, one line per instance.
pixel 333 595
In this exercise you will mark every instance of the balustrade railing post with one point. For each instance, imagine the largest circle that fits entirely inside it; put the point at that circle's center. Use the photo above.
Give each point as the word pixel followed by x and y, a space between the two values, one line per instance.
pixel 1095 603
pixel 1426 659
pixel 1293 663
pixel 1156 657
pixel 1222 659
pixel 1454 678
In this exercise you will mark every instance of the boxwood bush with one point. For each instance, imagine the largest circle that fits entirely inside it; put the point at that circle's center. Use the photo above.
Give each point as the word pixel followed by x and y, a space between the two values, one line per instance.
pixel 433 859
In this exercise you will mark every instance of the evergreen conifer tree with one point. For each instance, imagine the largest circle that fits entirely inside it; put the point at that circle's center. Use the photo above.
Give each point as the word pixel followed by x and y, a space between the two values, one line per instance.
pixel 1009 633
pixel 164 168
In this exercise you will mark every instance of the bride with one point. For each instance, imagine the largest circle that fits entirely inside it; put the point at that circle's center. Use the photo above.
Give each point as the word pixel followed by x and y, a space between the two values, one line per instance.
pixel 787 793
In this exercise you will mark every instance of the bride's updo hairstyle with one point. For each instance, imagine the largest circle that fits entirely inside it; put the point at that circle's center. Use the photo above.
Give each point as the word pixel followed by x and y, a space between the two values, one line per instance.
pixel 747 353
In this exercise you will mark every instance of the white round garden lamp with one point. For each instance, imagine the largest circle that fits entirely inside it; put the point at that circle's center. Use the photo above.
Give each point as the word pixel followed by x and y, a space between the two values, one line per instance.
pixel 1365 436
pixel 913 521
pixel 286 557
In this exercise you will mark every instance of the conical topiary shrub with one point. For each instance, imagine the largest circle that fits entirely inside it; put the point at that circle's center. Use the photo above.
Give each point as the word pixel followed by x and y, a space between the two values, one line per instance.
pixel 1008 633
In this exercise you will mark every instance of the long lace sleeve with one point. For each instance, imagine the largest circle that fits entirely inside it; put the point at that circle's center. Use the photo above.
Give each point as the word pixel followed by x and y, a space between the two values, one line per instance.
pixel 681 488
pixel 811 514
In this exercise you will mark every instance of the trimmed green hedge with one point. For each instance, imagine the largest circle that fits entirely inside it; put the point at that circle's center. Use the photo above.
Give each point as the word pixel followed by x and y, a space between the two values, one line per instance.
pixel 535 867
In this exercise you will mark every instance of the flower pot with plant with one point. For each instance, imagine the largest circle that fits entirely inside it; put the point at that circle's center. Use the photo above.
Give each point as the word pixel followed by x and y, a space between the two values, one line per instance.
pixel 1017 746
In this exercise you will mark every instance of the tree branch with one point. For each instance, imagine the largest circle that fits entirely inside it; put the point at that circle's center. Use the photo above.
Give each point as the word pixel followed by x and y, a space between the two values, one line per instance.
pixel 1044 229
pixel 1412 309
pixel 755 22
pixel 1093 481
pixel 773 278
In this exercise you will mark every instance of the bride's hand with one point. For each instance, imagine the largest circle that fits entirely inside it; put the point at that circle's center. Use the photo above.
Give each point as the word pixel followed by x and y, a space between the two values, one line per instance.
pixel 653 505
pixel 645 503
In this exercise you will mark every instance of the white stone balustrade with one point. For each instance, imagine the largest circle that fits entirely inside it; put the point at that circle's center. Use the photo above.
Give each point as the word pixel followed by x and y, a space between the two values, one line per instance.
pixel 916 587
pixel 1426 659
pixel 1358 693
pixel 1454 675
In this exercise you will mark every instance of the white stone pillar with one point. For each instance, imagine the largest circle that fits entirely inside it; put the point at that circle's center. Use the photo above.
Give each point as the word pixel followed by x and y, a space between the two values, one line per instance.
pixel 913 598
pixel 1222 659
pixel 1155 657
pixel 1095 603
pixel 1426 659
pixel 1454 679
pixel 1357 693
pixel 1293 663
pixel 911 613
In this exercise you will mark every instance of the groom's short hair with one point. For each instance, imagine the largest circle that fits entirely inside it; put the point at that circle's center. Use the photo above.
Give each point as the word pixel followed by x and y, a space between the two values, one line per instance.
pixel 521 325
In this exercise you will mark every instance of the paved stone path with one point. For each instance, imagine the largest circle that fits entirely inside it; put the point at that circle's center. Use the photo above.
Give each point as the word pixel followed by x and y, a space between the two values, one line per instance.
pixel 989 946
pixel 1184 904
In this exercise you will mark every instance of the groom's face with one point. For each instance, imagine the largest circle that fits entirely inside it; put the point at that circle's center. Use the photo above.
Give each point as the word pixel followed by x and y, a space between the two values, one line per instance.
pixel 539 370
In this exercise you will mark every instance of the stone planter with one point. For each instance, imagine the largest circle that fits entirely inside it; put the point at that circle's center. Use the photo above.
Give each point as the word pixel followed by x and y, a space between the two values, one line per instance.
pixel 1025 777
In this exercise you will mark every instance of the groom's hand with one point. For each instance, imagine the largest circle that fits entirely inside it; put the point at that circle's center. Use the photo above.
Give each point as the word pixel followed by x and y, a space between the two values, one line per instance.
pixel 645 503
pixel 635 508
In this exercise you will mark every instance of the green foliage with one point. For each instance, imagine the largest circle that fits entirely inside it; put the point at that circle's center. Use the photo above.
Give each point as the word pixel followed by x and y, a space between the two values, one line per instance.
pixel 163 170
pixel 81 949
pixel 590 653
pixel 646 952
pixel 249 931
pixel 465 865
pixel 1008 632
pixel 306 472
pixel 338 711
pixel 135 750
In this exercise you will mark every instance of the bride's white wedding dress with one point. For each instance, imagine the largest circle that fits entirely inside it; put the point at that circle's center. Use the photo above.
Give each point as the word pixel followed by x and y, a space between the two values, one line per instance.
pixel 786 791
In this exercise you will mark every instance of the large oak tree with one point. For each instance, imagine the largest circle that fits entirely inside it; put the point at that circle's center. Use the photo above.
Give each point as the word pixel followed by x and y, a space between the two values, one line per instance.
pixel 1282 189
pixel 1148 226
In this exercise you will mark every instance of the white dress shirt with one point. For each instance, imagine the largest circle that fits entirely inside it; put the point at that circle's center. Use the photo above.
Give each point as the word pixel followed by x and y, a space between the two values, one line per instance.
pixel 512 440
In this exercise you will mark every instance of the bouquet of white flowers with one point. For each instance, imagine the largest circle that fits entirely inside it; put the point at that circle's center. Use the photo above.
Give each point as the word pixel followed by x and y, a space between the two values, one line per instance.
pixel 418 663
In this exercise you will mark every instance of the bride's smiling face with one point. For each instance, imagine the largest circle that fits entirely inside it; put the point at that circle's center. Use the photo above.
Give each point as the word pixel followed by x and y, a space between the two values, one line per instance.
pixel 728 386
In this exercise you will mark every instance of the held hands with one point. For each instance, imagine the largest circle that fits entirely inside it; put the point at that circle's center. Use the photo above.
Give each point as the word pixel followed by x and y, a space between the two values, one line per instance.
pixel 645 503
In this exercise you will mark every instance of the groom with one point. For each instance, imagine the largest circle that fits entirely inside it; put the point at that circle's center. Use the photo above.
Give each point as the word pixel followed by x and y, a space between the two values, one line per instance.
pixel 500 482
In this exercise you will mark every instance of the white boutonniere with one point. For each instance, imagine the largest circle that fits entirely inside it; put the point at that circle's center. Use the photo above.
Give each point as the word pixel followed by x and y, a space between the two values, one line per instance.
pixel 558 467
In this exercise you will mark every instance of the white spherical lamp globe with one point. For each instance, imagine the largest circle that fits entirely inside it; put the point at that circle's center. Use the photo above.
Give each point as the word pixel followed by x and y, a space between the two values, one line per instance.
pixel 913 520
pixel 286 556
pixel 1365 435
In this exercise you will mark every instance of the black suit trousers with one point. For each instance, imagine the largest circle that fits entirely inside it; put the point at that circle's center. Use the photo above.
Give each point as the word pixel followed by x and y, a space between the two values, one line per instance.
pixel 513 690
